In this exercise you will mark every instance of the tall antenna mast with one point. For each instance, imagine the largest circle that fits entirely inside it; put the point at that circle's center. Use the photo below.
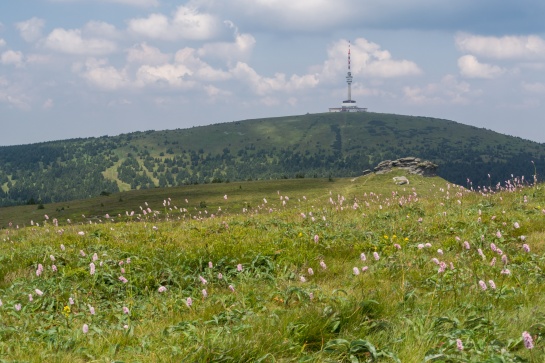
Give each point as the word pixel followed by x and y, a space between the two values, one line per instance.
pixel 349 76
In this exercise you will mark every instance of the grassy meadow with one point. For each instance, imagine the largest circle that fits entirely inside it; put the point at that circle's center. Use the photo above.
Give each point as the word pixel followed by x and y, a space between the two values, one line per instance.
pixel 307 270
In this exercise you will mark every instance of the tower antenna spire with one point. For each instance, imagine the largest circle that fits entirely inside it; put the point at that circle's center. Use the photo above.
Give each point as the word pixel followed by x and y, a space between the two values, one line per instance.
pixel 349 76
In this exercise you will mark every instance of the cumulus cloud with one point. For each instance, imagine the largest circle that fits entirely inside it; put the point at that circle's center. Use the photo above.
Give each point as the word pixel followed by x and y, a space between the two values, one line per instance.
pixel 265 85
pixel 527 47
pixel 470 67
pixel 11 57
pixel 186 23
pixel 240 49
pixel 145 54
pixel 72 42
pixel 100 74
pixel 449 91
pixel 31 29
pixel 367 59
pixel 174 75
pixel 101 29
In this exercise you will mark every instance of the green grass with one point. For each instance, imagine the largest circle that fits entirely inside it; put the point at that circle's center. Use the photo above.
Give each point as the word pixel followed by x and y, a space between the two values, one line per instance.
pixel 400 309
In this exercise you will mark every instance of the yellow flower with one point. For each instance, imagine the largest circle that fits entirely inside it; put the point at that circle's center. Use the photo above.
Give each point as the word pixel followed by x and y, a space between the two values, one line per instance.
pixel 66 310
pixel 300 234
pixel 394 236
pixel 406 239
pixel 385 237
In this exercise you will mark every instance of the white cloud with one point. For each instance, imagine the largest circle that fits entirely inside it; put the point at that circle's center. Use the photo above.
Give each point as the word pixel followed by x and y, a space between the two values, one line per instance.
pixel 72 42
pixel 470 67
pixel 525 47
pixel 98 73
pixel 11 57
pixel 31 29
pixel 200 69
pixel 186 23
pixel 240 49
pixel 449 91
pixel 367 60
pixel 13 95
pixel 145 54
pixel 101 29
pixel 266 85
pixel 2 43
pixel 175 75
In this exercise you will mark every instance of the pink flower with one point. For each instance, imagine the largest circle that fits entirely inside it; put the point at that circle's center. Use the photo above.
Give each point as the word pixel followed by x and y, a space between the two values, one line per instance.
pixel 52 258
pixel 239 267
pixel 310 271
pixel 39 270
pixel 81 233
pixel 493 247
pixel 440 251
pixel 466 245
pixel 39 292
pixel 482 284
pixel 505 271
pixel 81 253
pixel 302 278
pixel 220 276
pixel 231 288
pixel 316 238
pixel 204 293
pixel 459 345
pixel 364 268
pixel 498 234
pixel 123 279
pixel 493 261
pixel 54 268
pixel 71 301
pixel 203 280
pixel 62 247
pixel 125 310
pixel 210 264
pixel 91 310
pixel 528 341
pixel 492 284
pixel 162 289
pixel 17 307
pixel 356 271
pixel 30 297
pixel 92 268
pixel 526 248
pixel 95 257
pixel 376 256
pixel 189 302
pixel 363 257
pixel 516 225
pixel 397 246
pixel 85 328
pixel 420 246
pixel 323 265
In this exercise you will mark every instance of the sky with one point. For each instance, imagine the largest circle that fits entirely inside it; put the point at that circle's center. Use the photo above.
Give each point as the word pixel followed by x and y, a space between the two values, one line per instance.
pixel 85 68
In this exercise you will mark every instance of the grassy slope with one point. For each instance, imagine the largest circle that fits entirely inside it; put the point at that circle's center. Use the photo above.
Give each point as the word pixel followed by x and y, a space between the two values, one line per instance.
pixel 401 306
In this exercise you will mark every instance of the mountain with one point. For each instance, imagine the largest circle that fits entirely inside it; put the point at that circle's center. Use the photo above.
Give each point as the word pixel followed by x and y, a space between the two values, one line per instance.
pixel 312 145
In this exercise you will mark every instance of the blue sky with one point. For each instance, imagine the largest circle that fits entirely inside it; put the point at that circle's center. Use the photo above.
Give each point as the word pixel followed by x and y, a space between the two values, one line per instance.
pixel 80 68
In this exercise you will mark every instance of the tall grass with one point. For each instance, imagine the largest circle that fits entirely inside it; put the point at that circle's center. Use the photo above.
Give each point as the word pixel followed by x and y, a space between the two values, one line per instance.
pixel 354 273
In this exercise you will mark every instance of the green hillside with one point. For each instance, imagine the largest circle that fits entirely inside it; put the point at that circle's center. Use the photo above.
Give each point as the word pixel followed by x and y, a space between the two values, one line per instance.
pixel 317 145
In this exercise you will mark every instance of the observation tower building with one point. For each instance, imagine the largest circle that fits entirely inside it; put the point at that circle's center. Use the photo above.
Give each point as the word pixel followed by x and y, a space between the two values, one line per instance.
pixel 348 105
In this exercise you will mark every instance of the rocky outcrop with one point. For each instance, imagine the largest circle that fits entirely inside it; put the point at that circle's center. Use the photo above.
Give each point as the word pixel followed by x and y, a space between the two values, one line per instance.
pixel 410 164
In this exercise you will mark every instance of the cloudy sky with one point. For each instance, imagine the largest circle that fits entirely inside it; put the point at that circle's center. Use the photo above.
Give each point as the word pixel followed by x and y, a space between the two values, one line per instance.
pixel 80 68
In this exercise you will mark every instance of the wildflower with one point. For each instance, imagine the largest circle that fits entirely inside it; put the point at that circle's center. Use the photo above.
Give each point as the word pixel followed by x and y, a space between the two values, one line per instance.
pixel 239 267
pixel 526 248
pixel 128 260
pixel 17 307
pixel 85 328
pixel 504 259
pixel 376 256
pixel 481 253
pixel 39 270
pixel 505 271
pixel 493 247
pixel 498 234
pixel 310 295
pixel 302 278
pixel 210 264
pixel 220 276
pixel 54 268
pixel 52 257
pixel 189 302
pixel 364 268
pixel 30 297
pixel 482 284
pixel 62 247
pixel 528 341
pixel 126 310
pixel 231 288
pixel 310 271
pixel 443 267
pixel 440 251
pixel 493 261
pixel 204 293
pixel 428 245
pixel 125 327
pixel 123 279
pixel 466 245
pixel 81 253
pixel 397 246
pixel 66 311
pixel 356 271
pixel 420 246
pixel 362 257
pixel 91 310
pixel 203 280
pixel 316 238
pixel 492 284
pixel 81 233
pixel 92 268
pixel 39 292
pixel 323 265
pixel 162 289
pixel 71 301
pixel 459 345
pixel 516 225
pixel 95 256
pixel 122 270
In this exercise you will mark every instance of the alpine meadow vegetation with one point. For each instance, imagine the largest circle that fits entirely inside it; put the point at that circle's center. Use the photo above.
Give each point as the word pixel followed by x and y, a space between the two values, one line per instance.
pixel 350 270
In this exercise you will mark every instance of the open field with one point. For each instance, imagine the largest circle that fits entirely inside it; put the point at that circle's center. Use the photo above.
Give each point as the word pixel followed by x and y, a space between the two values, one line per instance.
pixel 307 270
